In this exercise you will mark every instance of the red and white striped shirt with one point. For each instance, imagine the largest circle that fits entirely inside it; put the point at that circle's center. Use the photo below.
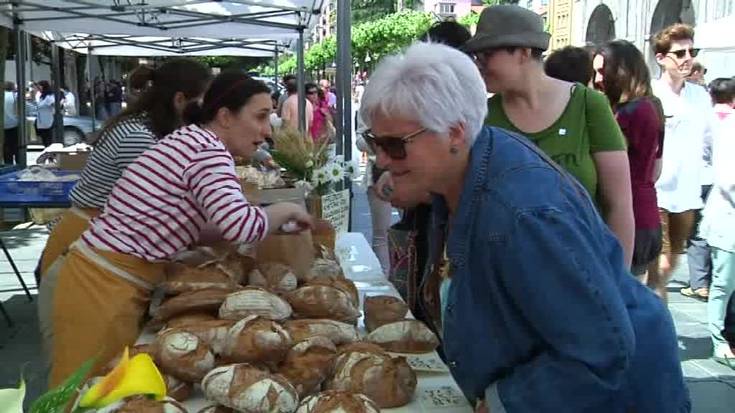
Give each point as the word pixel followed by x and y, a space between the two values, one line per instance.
pixel 163 200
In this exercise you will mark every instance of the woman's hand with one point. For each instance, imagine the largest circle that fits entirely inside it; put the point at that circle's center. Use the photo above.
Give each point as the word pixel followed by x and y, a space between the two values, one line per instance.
pixel 285 212
pixel 384 186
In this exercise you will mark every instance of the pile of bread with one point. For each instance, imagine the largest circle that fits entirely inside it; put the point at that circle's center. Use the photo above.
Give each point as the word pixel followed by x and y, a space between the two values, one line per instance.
pixel 258 338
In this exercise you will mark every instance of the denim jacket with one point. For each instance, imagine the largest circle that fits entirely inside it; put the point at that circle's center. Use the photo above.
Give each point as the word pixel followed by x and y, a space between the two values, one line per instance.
pixel 541 314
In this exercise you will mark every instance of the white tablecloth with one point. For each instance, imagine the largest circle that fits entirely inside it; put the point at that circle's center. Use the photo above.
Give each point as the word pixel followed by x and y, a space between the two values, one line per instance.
pixel 436 391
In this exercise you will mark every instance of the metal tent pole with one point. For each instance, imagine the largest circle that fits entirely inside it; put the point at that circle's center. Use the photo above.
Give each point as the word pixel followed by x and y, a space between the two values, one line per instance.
pixel 275 64
pixel 301 80
pixel 90 76
pixel 56 58
pixel 344 89
pixel 20 74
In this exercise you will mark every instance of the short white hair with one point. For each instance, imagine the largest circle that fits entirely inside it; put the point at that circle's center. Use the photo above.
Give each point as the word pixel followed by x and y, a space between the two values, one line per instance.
pixel 431 83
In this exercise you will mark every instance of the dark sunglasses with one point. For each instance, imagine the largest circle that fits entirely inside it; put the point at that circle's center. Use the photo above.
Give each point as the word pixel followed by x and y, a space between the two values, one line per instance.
pixel 683 52
pixel 393 146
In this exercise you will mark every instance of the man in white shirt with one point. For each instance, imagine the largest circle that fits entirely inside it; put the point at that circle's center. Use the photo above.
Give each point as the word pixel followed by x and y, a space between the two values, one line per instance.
pixel 689 117
pixel 10 145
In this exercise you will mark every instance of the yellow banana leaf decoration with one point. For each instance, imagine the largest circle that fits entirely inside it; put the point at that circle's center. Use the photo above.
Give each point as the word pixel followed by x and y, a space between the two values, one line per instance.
pixel 131 376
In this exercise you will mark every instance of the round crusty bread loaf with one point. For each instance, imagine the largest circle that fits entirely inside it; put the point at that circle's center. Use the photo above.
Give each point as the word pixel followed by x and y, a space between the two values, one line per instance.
pixel 248 389
pixel 273 276
pixel 366 369
pixel 186 319
pixel 181 278
pixel 383 309
pixel 324 268
pixel 337 401
pixel 216 409
pixel 405 336
pixel 142 404
pixel 322 301
pixel 256 339
pixel 213 332
pixel 342 284
pixel 254 301
pixel 308 363
pixel 177 389
pixel 183 355
pixel 336 331
pixel 208 300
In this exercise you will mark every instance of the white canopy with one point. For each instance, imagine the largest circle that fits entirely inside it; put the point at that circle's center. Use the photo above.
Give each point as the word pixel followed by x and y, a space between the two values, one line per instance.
pixel 128 45
pixel 717 43
pixel 270 19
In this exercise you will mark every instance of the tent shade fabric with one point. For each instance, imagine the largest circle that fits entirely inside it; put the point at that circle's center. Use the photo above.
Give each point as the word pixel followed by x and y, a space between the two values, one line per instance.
pixel 272 19
pixel 127 45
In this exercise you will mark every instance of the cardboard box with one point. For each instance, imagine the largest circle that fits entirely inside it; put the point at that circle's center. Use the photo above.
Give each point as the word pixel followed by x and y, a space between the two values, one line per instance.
pixel 274 195
pixel 73 161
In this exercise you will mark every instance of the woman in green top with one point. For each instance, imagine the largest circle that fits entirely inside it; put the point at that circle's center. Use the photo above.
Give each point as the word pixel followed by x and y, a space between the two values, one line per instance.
pixel 571 123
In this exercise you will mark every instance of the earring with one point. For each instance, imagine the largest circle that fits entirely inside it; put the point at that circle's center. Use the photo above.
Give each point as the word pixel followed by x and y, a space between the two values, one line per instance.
pixel 453 150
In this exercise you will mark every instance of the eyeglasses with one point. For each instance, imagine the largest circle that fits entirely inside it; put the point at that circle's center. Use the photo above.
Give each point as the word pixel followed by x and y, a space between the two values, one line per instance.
pixel 393 146
pixel 681 53
pixel 311 92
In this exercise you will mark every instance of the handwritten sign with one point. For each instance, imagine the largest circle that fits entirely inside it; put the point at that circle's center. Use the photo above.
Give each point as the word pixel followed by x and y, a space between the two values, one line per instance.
pixel 336 210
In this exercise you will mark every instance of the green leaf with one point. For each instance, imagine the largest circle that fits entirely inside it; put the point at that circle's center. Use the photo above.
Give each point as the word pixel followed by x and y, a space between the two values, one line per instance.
pixel 11 400
pixel 56 400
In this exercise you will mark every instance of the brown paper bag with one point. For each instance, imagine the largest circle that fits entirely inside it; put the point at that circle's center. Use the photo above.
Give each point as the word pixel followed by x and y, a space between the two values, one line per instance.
pixel 294 250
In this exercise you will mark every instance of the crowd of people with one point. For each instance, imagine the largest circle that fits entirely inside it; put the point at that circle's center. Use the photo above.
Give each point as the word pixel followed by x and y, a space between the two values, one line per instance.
pixel 551 201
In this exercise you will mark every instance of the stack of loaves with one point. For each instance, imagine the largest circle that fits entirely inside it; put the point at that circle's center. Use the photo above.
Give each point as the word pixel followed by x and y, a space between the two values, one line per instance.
pixel 257 338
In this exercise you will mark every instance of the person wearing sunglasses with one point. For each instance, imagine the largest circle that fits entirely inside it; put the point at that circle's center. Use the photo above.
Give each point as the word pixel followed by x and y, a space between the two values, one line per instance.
pixel 687 156
pixel 538 310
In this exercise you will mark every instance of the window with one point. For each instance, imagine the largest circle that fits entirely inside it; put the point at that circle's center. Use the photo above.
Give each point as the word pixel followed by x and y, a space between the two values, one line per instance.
pixel 446 8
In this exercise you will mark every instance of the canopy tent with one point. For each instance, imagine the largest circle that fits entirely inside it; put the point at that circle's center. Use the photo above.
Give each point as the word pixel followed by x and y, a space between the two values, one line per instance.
pixel 717 47
pixel 128 45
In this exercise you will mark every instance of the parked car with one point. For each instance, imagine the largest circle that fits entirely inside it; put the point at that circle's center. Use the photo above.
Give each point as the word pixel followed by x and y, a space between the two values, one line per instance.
pixel 76 128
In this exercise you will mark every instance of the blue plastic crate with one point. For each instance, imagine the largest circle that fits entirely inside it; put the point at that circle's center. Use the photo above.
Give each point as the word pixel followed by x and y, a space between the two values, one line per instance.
pixel 36 191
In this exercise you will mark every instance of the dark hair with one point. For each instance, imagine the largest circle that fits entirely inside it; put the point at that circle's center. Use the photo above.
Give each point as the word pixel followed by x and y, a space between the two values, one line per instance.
pixel 231 90
pixel 625 73
pixel 449 33
pixel 536 53
pixel 570 63
pixel 674 33
pixel 45 87
pixel 722 90
pixel 698 67
pixel 291 86
pixel 176 75
pixel 311 85
pixel 289 78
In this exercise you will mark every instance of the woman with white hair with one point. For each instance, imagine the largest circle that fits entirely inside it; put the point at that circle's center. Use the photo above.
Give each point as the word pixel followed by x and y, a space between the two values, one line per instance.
pixel 537 309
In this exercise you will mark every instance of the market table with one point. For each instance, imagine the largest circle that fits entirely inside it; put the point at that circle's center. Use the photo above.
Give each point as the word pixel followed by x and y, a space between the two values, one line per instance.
pixel 436 390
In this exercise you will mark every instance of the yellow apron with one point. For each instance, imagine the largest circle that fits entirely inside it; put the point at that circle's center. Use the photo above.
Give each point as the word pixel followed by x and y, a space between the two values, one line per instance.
pixel 99 304
pixel 71 226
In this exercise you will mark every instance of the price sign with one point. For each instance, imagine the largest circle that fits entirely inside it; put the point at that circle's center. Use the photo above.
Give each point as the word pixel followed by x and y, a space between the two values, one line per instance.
pixel 336 210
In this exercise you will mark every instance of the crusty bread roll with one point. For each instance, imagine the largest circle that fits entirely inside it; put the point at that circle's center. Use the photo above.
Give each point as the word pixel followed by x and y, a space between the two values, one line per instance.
pixel 182 278
pixel 248 389
pixel 364 368
pixel 322 301
pixel 254 301
pixel 337 401
pixel 338 332
pixel 308 363
pixel 324 268
pixel 256 339
pixel 177 389
pixel 186 319
pixel 142 404
pixel 207 300
pixel 183 355
pixel 213 332
pixel 342 284
pixel 216 409
pixel 273 276
pixel 405 336
pixel 383 309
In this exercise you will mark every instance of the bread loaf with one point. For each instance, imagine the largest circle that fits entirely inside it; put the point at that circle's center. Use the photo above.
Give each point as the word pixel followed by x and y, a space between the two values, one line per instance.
pixel 207 300
pixel 245 388
pixel 383 309
pixel 324 268
pixel 342 284
pixel 366 369
pixel 406 336
pixel 337 401
pixel 183 355
pixel 322 301
pixel 177 389
pixel 142 404
pixel 254 301
pixel 182 278
pixel 216 409
pixel 339 333
pixel 212 332
pixel 308 363
pixel 273 276
pixel 189 319
pixel 256 339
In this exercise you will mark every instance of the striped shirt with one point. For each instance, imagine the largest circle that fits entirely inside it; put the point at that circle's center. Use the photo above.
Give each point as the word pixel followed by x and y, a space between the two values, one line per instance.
pixel 164 199
pixel 117 148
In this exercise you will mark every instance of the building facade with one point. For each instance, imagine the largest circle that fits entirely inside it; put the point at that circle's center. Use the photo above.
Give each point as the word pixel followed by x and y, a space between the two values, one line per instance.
pixel 446 9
